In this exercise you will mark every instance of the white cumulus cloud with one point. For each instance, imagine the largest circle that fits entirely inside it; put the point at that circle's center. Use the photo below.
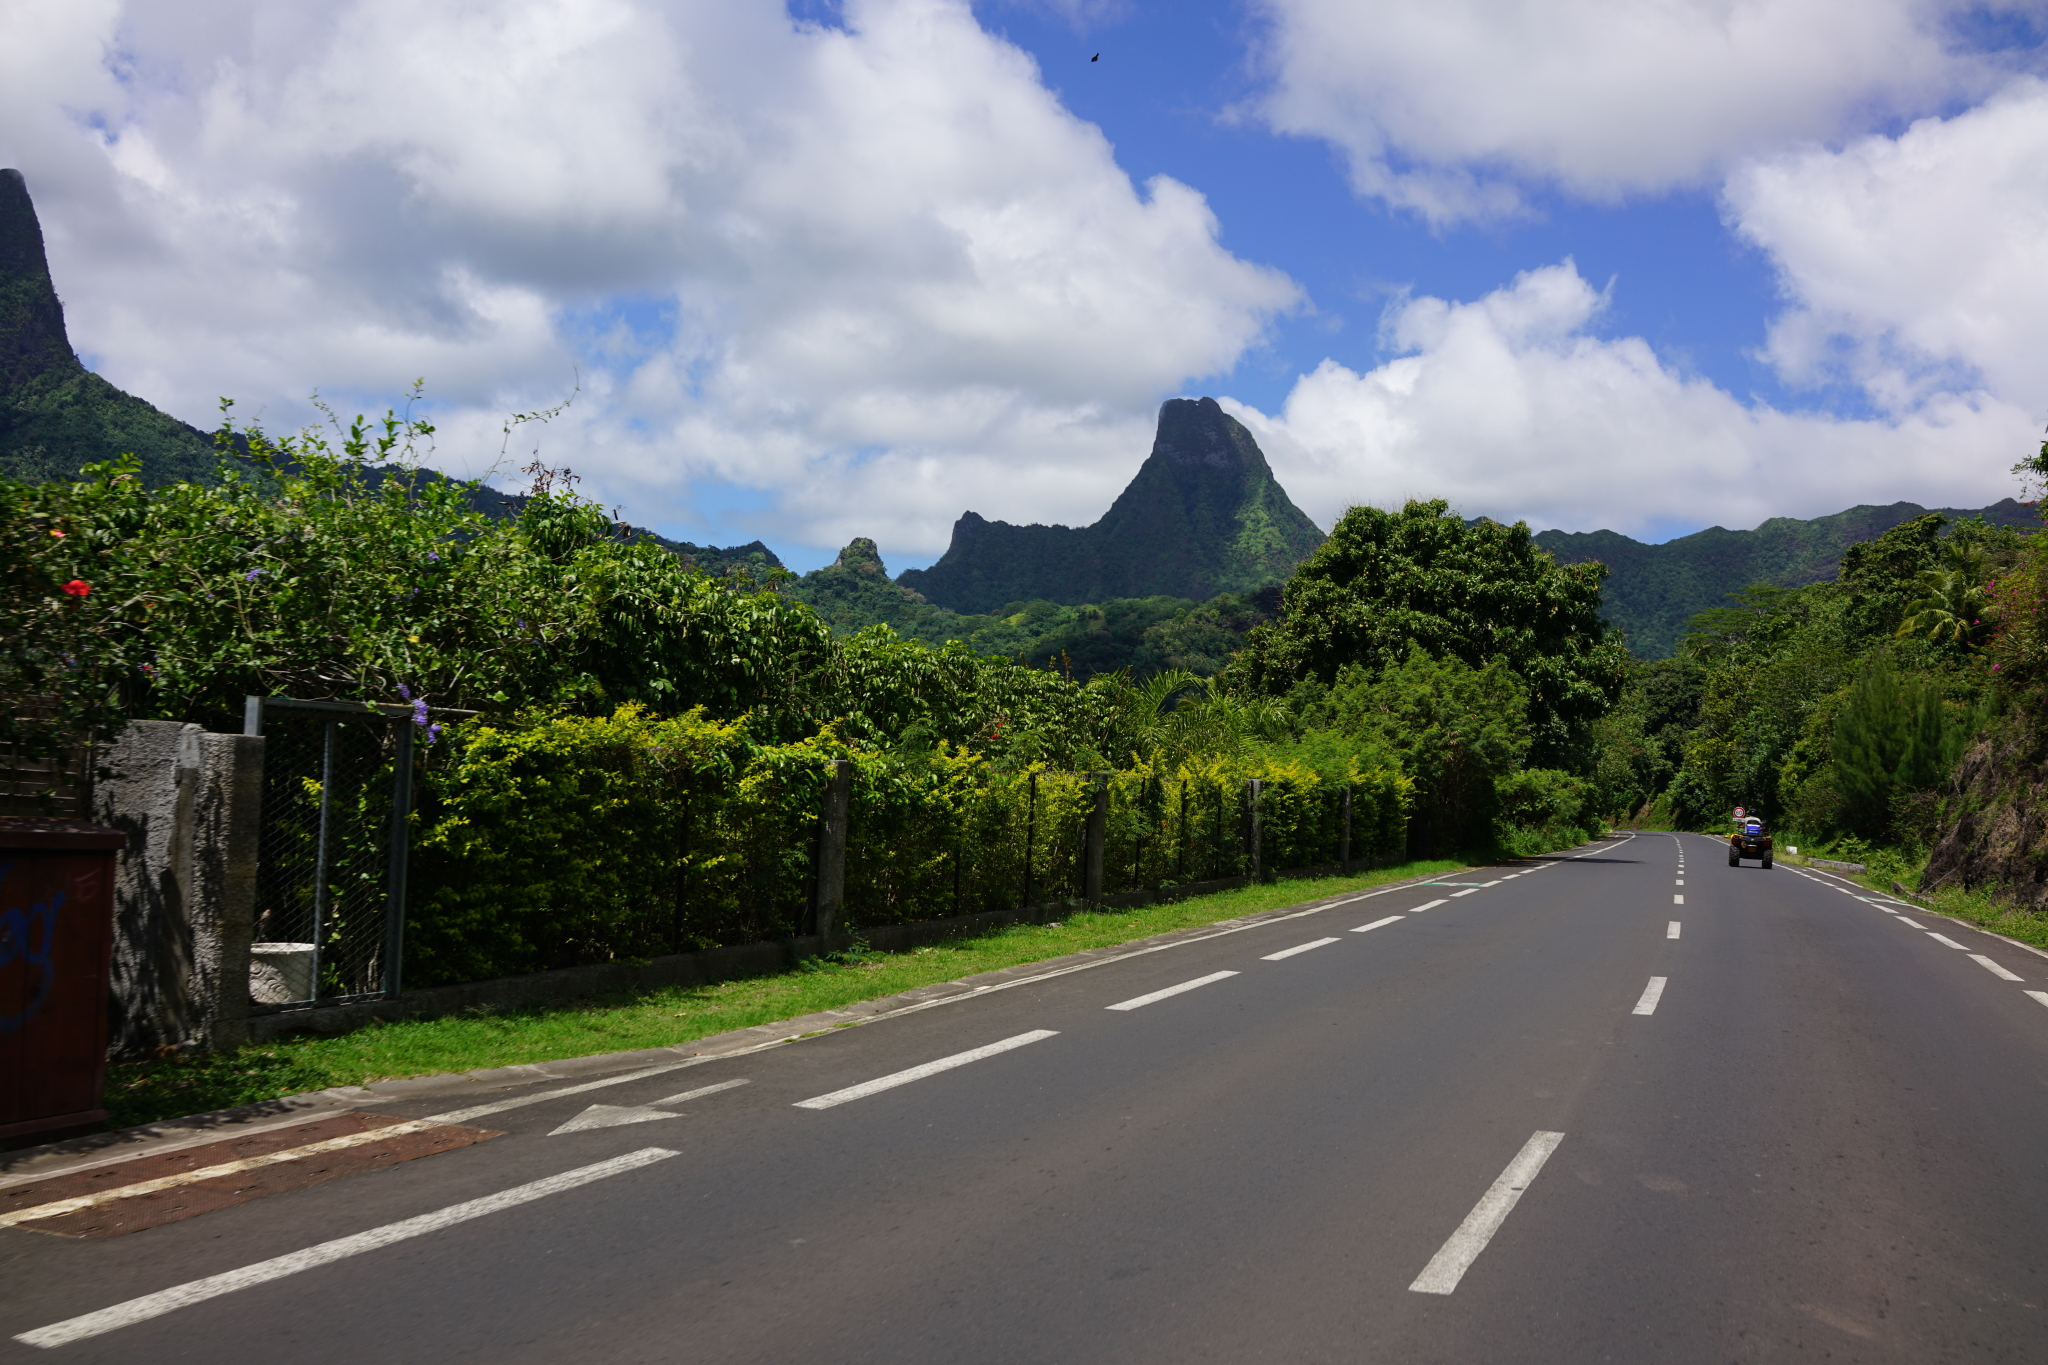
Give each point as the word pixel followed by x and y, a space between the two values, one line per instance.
pixel 1511 407
pixel 1913 264
pixel 874 269
pixel 1455 107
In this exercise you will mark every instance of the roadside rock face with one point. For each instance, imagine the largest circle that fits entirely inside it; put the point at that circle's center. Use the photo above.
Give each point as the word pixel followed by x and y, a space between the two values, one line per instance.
pixel 1999 797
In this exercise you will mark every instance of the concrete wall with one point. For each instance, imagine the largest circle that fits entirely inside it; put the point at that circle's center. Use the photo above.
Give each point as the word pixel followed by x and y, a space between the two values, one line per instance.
pixel 185 893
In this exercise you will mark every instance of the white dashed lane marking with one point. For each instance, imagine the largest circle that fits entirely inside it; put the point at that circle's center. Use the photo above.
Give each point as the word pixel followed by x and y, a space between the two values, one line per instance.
pixel 1297 948
pixel 213 1286
pixel 1947 942
pixel 1455 1257
pixel 1377 924
pixel 1992 967
pixel 1672 932
pixel 1652 993
pixel 1428 905
pixel 918 1073
pixel 1139 1002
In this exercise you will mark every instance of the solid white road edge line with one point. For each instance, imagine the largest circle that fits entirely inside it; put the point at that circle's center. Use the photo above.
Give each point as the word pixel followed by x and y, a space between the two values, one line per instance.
pixel 1652 993
pixel 918 1073
pixel 1672 932
pixel 227 1282
pixel 247 1163
pixel 1455 1257
pixel 1297 948
pixel 1139 1002
pixel 1992 967
pixel 1377 924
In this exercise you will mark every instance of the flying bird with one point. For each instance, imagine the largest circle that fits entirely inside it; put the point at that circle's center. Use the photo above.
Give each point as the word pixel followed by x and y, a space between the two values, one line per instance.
pixel 1096 58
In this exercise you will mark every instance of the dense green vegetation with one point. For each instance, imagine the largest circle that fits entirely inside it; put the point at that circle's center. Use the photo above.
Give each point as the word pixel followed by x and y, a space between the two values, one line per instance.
pixel 1838 710
pixel 1203 516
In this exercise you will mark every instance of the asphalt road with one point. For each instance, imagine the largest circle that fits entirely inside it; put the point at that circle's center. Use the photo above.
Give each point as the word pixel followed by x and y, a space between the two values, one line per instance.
pixel 1464 1135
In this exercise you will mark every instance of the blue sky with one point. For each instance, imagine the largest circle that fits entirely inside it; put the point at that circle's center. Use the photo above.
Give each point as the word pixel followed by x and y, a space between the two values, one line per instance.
pixel 847 269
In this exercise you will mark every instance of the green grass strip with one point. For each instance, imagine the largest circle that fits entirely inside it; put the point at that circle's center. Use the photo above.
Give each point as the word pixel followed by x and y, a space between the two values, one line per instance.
pixel 143 1092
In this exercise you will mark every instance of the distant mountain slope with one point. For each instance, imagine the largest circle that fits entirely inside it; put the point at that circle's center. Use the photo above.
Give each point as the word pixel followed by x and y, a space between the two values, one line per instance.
pixel 55 415
pixel 1203 516
pixel 1653 590
pixel 1146 635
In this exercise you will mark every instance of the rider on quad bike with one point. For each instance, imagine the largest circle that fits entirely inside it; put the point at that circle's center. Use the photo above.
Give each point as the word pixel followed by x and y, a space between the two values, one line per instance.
pixel 1749 841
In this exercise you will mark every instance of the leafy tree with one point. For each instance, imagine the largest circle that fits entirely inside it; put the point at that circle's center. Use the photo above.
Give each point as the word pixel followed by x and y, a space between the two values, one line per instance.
pixel 1385 583
pixel 1455 729
pixel 1889 737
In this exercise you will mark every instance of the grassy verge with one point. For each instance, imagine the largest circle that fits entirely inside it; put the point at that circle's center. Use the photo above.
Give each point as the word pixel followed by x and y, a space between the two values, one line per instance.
pixel 147 1091
pixel 1885 865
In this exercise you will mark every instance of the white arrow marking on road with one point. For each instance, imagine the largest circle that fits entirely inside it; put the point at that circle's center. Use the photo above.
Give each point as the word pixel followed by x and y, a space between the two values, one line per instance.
pixel 612 1116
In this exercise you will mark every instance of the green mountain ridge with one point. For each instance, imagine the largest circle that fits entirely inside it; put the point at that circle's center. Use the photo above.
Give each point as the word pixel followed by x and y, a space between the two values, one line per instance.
pixel 1204 516
pixel 1146 635
pixel 1652 591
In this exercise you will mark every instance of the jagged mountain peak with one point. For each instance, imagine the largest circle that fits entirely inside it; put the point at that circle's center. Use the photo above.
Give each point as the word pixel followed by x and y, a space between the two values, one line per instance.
pixel 1203 516
pixel 1197 432
pixel 32 337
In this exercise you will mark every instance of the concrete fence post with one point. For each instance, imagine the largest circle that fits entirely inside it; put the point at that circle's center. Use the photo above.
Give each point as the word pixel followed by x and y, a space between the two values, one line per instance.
pixel 828 895
pixel 1254 833
pixel 1096 836
pixel 1344 839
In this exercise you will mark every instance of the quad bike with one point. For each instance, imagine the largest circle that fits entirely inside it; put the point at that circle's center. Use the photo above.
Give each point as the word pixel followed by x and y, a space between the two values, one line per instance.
pixel 1749 842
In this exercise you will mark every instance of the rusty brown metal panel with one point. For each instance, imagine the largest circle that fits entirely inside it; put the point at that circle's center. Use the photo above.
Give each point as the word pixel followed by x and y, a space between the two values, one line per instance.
pixel 56 939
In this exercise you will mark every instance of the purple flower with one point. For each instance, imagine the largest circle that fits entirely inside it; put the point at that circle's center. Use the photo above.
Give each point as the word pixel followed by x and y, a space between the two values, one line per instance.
pixel 431 555
pixel 404 692
pixel 252 575
pixel 419 711
pixel 433 733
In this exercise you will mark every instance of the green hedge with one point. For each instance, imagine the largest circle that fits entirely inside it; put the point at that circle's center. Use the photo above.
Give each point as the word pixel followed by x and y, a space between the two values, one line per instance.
pixel 569 839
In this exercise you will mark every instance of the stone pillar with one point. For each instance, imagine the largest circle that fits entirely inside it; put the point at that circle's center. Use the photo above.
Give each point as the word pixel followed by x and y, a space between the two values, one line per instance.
pixel 191 804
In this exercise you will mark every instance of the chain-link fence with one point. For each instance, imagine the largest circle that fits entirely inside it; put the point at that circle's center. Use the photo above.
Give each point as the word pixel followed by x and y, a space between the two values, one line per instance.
pixel 337 782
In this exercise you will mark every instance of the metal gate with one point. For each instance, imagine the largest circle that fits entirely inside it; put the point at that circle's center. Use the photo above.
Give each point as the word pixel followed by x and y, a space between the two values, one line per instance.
pixel 337 788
